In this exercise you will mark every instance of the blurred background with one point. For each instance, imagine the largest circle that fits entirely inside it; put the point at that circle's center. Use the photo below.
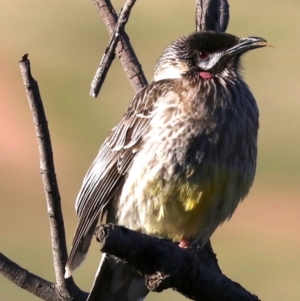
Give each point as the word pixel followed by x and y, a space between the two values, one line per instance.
pixel 259 247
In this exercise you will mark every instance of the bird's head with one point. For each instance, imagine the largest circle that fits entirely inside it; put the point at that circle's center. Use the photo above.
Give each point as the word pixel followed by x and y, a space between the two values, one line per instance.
pixel 204 54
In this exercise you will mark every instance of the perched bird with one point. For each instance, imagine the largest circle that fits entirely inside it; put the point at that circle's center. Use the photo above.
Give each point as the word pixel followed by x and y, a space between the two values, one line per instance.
pixel 180 160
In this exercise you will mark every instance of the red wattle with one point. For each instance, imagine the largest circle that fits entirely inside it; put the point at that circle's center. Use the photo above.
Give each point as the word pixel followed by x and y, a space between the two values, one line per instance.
pixel 205 75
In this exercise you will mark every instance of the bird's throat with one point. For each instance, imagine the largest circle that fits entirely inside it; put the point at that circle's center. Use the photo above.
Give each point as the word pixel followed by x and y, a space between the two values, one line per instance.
pixel 205 75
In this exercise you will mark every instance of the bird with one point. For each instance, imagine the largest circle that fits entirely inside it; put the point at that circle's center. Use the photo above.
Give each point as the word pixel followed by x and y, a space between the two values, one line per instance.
pixel 180 160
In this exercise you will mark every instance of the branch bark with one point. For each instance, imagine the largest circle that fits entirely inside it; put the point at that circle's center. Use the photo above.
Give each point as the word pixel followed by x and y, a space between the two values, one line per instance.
pixel 58 238
pixel 131 65
pixel 212 15
pixel 109 54
pixel 62 289
pixel 36 285
pixel 192 272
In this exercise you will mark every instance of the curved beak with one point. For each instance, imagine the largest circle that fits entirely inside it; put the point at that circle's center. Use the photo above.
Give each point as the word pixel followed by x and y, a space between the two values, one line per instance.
pixel 246 44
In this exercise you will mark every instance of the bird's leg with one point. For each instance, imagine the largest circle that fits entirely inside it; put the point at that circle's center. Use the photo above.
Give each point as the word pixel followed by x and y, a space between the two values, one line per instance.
pixel 184 243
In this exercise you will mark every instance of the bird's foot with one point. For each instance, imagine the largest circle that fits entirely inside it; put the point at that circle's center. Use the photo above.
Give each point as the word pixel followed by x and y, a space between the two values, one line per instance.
pixel 184 243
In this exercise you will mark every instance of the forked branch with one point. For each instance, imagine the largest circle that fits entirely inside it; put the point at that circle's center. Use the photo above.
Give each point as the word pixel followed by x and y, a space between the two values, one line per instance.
pixel 131 65
pixel 109 54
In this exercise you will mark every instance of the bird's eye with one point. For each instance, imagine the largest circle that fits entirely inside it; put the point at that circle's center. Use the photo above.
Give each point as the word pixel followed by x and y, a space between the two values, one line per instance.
pixel 203 55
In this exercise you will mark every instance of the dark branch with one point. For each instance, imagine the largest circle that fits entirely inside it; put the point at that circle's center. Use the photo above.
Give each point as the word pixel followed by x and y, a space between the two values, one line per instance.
pixel 212 15
pixel 109 54
pixel 192 272
pixel 43 289
pixel 62 289
pixel 58 238
pixel 25 279
pixel 129 60
pixel 224 15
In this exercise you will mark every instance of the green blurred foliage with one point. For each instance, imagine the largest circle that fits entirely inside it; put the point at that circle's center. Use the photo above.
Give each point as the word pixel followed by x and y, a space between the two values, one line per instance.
pixel 65 40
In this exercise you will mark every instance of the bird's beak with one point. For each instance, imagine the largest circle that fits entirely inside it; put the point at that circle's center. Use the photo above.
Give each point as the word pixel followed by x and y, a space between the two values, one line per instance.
pixel 246 44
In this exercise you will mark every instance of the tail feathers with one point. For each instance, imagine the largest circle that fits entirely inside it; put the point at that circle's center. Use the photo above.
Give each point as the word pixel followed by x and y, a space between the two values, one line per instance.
pixel 80 247
pixel 116 281
pixel 78 256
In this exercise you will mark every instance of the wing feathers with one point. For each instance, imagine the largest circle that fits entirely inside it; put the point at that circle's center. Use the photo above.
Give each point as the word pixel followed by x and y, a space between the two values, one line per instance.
pixel 105 177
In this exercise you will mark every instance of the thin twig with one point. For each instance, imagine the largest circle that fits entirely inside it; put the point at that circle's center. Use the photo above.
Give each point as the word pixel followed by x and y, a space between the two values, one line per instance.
pixel 109 54
pixel 125 52
pixel 212 15
pixel 58 238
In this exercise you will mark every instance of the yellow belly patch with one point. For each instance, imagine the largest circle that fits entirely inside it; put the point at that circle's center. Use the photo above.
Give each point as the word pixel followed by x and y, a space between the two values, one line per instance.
pixel 176 211
pixel 191 203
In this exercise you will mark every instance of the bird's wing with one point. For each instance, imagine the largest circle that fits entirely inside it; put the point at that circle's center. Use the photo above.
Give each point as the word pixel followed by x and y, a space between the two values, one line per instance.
pixel 106 175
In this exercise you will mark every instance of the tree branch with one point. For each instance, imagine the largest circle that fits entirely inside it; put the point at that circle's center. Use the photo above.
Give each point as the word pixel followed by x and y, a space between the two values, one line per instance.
pixel 64 288
pixel 26 280
pixel 212 15
pixel 192 272
pixel 109 54
pixel 129 60
pixel 58 238
pixel 36 285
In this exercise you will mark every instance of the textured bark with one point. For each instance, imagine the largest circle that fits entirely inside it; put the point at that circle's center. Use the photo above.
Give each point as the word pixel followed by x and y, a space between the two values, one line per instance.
pixel 125 52
pixel 40 287
pixel 58 239
pixel 212 15
pixel 193 272
pixel 109 54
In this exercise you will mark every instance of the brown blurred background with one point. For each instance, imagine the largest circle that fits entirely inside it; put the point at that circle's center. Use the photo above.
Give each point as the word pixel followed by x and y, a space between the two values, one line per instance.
pixel 260 246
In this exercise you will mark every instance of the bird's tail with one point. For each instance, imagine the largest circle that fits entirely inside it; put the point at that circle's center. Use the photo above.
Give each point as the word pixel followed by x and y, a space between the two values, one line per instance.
pixel 79 250
pixel 116 281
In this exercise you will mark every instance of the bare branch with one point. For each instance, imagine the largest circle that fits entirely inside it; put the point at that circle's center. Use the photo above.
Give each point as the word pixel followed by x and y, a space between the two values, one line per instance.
pixel 25 279
pixel 40 287
pixel 129 60
pixel 192 272
pixel 212 15
pixel 224 15
pixel 109 54
pixel 58 239
pixel 63 289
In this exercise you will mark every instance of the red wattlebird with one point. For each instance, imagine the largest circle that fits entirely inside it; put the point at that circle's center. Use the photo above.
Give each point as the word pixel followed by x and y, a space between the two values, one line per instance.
pixel 180 160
